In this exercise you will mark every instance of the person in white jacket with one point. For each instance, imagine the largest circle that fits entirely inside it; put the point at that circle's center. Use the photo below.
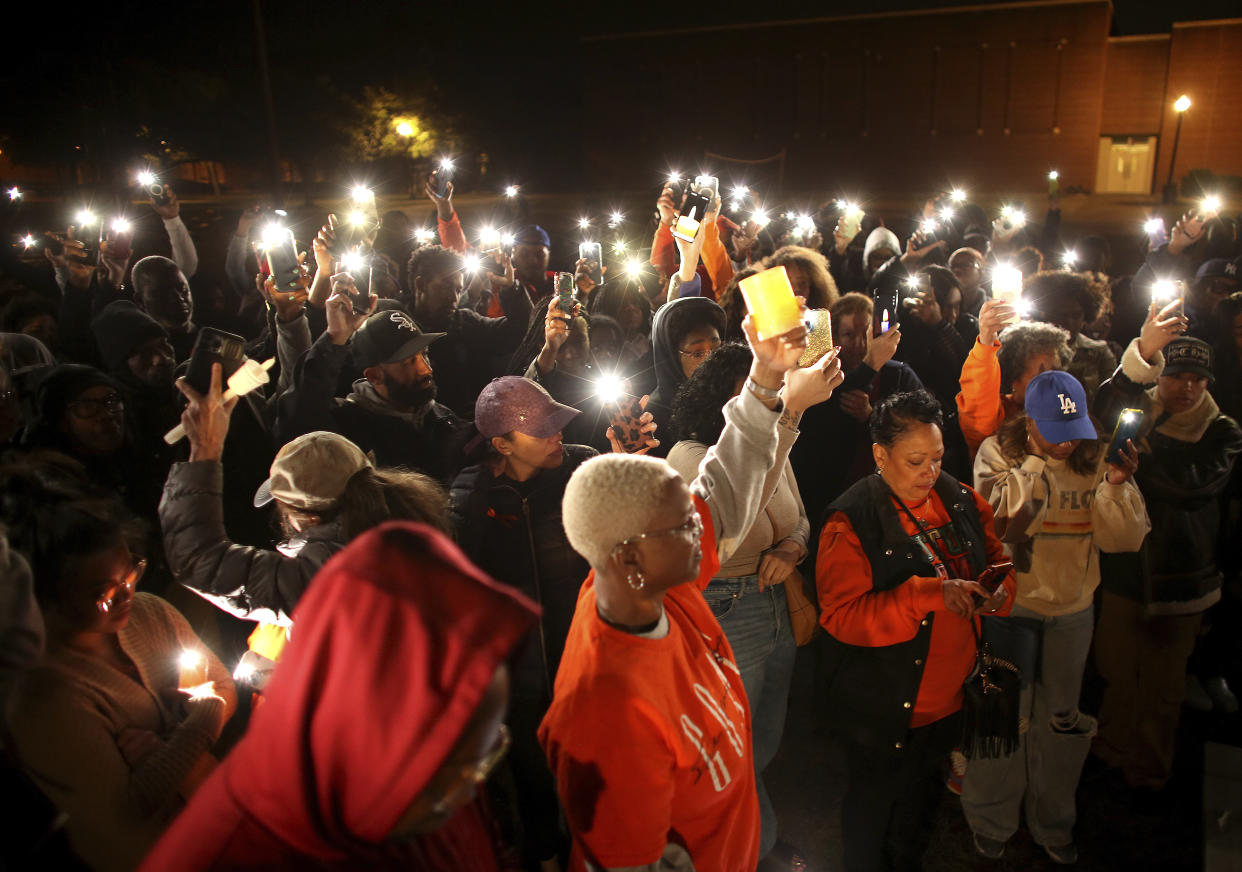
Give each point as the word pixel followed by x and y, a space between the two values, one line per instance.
pixel 1058 503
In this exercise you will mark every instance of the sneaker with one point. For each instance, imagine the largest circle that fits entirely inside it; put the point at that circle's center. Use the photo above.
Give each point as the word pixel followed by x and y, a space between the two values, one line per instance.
pixel 1220 694
pixel 1065 855
pixel 1196 696
pixel 957 771
pixel 993 849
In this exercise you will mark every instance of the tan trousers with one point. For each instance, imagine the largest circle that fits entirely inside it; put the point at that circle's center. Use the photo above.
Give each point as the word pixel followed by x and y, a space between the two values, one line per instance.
pixel 1143 659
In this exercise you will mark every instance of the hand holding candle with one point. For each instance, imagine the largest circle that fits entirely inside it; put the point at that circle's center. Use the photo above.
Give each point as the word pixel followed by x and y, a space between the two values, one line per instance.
pixel 770 299
pixel 193 671
pixel 249 376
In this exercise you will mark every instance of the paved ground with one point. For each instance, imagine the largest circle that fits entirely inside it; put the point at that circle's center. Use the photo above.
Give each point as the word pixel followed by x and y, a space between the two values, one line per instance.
pixel 1114 831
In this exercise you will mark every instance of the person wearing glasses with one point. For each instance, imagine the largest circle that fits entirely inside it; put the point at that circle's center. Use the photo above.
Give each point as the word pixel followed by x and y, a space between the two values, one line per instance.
pixel 685 331
pixel 649 731
pixel 80 412
pixel 384 718
pixel 748 594
pixel 109 725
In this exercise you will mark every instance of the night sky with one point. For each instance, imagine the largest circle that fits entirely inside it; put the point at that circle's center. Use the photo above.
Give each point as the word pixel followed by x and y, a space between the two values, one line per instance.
pixel 498 75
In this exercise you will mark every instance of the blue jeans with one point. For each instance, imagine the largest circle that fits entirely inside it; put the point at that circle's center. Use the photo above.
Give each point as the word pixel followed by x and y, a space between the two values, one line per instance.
pixel 757 627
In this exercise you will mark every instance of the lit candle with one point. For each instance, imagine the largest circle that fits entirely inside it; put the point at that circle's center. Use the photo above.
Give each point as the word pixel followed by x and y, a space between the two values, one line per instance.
pixel 770 299
pixel 193 669
pixel 884 322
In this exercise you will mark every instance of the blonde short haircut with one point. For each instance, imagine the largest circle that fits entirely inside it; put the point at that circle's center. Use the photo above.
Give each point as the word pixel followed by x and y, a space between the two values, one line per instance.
pixel 611 498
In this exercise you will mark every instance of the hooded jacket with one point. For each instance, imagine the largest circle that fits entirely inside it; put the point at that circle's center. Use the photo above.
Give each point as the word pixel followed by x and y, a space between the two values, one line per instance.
pixel 674 319
pixel 399 626
pixel 880 237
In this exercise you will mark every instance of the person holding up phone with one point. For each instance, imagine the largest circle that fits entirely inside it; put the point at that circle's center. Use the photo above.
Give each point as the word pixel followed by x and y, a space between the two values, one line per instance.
pixel 1153 604
pixel 1057 504
pixel 649 704
pixel 748 595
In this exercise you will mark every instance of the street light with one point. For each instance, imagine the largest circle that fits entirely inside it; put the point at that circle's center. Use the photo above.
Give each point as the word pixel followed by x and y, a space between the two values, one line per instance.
pixel 405 129
pixel 1180 105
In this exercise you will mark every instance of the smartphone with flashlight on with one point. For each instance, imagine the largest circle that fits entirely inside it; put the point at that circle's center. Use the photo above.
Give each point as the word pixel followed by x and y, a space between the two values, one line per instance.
pixel 282 263
pixel 1128 423
pixel 440 178
pixel 708 186
pixel 360 268
pixel 158 193
pixel 1157 235
pixel 119 237
pixel 593 253
pixel 693 208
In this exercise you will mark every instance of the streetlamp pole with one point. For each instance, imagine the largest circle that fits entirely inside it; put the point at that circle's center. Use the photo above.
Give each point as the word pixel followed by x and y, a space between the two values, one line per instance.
pixel 1180 105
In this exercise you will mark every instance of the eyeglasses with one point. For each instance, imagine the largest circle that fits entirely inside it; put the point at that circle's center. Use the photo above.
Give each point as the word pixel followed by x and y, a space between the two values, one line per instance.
pixel 701 355
pixel 476 773
pixel 86 409
pixel 693 527
pixel 109 595
pixel 7 397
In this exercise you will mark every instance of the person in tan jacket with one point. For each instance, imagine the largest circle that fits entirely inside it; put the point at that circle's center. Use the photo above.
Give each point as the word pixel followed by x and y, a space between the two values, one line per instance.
pixel 1057 503
pixel 116 723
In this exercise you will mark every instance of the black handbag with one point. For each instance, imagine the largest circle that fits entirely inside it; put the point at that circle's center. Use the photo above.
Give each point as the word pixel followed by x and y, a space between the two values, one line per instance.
pixel 991 696
pixel 991 699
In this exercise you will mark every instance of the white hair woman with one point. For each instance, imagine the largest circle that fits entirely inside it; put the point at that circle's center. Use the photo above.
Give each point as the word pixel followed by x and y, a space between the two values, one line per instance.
pixel 649 732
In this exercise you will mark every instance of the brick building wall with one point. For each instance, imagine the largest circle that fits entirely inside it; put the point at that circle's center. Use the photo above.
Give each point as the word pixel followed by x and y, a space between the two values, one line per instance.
pixel 895 102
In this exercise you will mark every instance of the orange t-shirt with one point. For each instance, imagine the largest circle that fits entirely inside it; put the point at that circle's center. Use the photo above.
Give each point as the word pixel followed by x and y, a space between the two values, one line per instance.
pixel 650 739
pixel 857 615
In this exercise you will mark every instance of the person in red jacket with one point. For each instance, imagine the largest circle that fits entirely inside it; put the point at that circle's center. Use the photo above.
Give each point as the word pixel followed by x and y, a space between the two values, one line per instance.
pixel 381 720
pixel 898 559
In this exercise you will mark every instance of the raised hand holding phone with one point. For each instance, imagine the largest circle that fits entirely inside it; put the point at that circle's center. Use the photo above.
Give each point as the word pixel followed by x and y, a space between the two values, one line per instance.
pixel 166 205
pixel 1162 326
pixel 343 320
pixel 994 317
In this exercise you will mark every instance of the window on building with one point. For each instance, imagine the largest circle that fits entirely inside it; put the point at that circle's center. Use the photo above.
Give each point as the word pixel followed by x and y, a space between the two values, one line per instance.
pixel 1126 165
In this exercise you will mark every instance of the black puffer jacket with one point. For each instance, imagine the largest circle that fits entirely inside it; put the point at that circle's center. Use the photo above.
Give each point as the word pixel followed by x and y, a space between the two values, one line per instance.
pixel 513 531
pixel 1183 483
pixel 255 584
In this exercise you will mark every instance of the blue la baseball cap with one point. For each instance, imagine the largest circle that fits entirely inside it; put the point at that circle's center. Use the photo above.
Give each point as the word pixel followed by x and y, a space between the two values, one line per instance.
pixel 1057 403
pixel 532 234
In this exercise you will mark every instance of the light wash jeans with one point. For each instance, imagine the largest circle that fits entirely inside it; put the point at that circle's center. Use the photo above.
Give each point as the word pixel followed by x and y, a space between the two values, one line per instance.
pixel 1053 744
pixel 757 627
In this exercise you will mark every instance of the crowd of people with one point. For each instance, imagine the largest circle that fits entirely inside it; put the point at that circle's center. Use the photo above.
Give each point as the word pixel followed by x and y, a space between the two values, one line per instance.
pixel 413 552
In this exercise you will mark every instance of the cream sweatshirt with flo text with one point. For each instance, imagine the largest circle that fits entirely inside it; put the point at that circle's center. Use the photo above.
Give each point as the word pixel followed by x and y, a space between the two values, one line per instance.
pixel 1055 522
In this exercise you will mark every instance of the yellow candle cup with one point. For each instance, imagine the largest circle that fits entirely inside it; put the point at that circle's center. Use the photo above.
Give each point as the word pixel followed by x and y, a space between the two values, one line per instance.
pixel 770 298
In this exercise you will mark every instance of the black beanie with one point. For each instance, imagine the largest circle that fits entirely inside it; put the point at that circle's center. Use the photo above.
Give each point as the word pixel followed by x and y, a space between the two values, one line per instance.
pixel 119 328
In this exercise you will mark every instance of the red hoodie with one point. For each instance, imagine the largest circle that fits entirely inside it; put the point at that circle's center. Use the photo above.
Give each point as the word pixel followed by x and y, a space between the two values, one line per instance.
pixel 396 642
